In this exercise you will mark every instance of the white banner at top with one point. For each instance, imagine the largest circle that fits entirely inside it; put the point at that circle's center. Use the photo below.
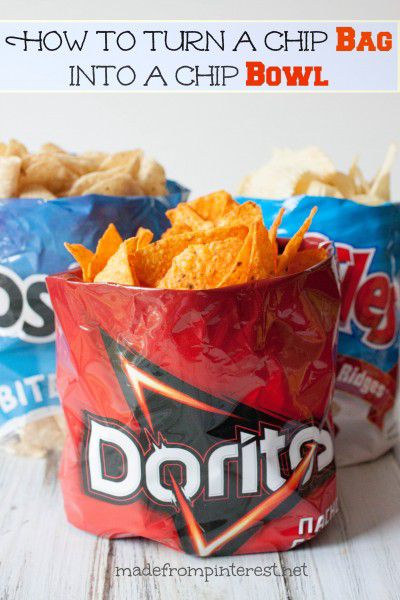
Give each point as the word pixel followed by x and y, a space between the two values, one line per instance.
pixel 251 56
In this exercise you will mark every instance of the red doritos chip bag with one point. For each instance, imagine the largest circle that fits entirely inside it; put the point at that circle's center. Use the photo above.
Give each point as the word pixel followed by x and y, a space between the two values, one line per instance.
pixel 200 417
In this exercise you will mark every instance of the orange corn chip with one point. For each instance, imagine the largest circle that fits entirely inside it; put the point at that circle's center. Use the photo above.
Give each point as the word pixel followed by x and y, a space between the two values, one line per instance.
pixel 273 233
pixel 183 214
pixel 106 247
pixel 213 242
pixel 118 269
pixel 153 261
pixel 262 253
pixel 242 214
pixel 273 230
pixel 294 244
pixel 199 266
pixel 213 206
pixel 175 230
pixel 144 237
pixel 307 258
pixel 239 270
pixel 83 256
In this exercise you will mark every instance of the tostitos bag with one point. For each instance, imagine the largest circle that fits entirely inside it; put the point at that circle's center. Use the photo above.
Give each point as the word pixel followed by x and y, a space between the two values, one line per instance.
pixel 199 418
pixel 32 233
pixel 367 240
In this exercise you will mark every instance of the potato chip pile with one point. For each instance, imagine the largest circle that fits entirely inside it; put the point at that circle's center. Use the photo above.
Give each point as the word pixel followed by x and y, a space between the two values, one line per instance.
pixel 310 171
pixel 53 173
pixel 212 242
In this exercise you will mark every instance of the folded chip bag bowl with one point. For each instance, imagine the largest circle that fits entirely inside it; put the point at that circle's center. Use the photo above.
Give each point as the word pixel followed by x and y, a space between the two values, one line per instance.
pixel 365 226
pixel 32 232
pixel 199 418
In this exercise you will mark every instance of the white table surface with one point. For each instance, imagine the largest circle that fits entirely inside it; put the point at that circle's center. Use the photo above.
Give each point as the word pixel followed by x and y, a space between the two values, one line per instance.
pixel 42 557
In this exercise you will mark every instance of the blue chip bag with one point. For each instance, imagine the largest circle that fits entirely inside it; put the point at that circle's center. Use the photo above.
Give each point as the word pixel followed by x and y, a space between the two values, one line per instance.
pixel 32 235
pixel 367 240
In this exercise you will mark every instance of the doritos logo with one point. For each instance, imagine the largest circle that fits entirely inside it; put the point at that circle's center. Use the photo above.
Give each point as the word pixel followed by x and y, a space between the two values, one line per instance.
pixel 368 299
pixel 186 451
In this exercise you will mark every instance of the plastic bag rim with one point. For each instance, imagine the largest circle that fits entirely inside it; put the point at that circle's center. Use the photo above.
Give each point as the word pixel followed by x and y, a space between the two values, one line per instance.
pixel 100 197
pixel 384 205
pixel 330 246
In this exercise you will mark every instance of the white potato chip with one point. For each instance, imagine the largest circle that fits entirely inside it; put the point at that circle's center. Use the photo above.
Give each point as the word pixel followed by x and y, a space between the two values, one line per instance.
pixel 310 158
pixel 367 199
pixel 319 188
pixel 289 172
pixel 360 182
pixel 343 183
pixel 309 171
pixel 380 185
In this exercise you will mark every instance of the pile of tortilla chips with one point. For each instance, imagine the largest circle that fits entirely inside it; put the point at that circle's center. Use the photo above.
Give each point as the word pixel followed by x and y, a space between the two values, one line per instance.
pixel 53 173
pixel 212 242
pixel 309 171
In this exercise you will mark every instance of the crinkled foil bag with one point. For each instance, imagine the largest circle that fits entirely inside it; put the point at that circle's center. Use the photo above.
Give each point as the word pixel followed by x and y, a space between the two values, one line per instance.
pixel 200 419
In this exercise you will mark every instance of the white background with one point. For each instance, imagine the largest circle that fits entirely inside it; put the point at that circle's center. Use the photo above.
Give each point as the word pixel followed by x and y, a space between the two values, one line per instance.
pixel 208 141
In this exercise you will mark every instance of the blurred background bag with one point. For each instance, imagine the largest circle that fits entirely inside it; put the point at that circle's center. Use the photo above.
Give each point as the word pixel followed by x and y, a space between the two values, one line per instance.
pixel 32 232
pixel 367 239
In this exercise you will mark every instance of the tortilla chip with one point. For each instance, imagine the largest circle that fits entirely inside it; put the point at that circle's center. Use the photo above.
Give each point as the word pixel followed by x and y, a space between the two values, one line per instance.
pixel 144 237
pixel 151 177
pixel 213 206
pixel 118 185
pixel 242 214
pixel 106 247
pixel 83 256
pixel 239 270
pixel 129 160
pixel 118 269
pixel 49 148
pixel 153 261
pixel 273 230
pixel 16 148
pixel 294 244
pixel 307 258
pixel 10 167
pixel 262 260
pixel 175 230
pixel 47 170
pixel 37 191
pixel 76 164
pixel 183 214
pixel 89 180
pixel 94 158
pixel 199 266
